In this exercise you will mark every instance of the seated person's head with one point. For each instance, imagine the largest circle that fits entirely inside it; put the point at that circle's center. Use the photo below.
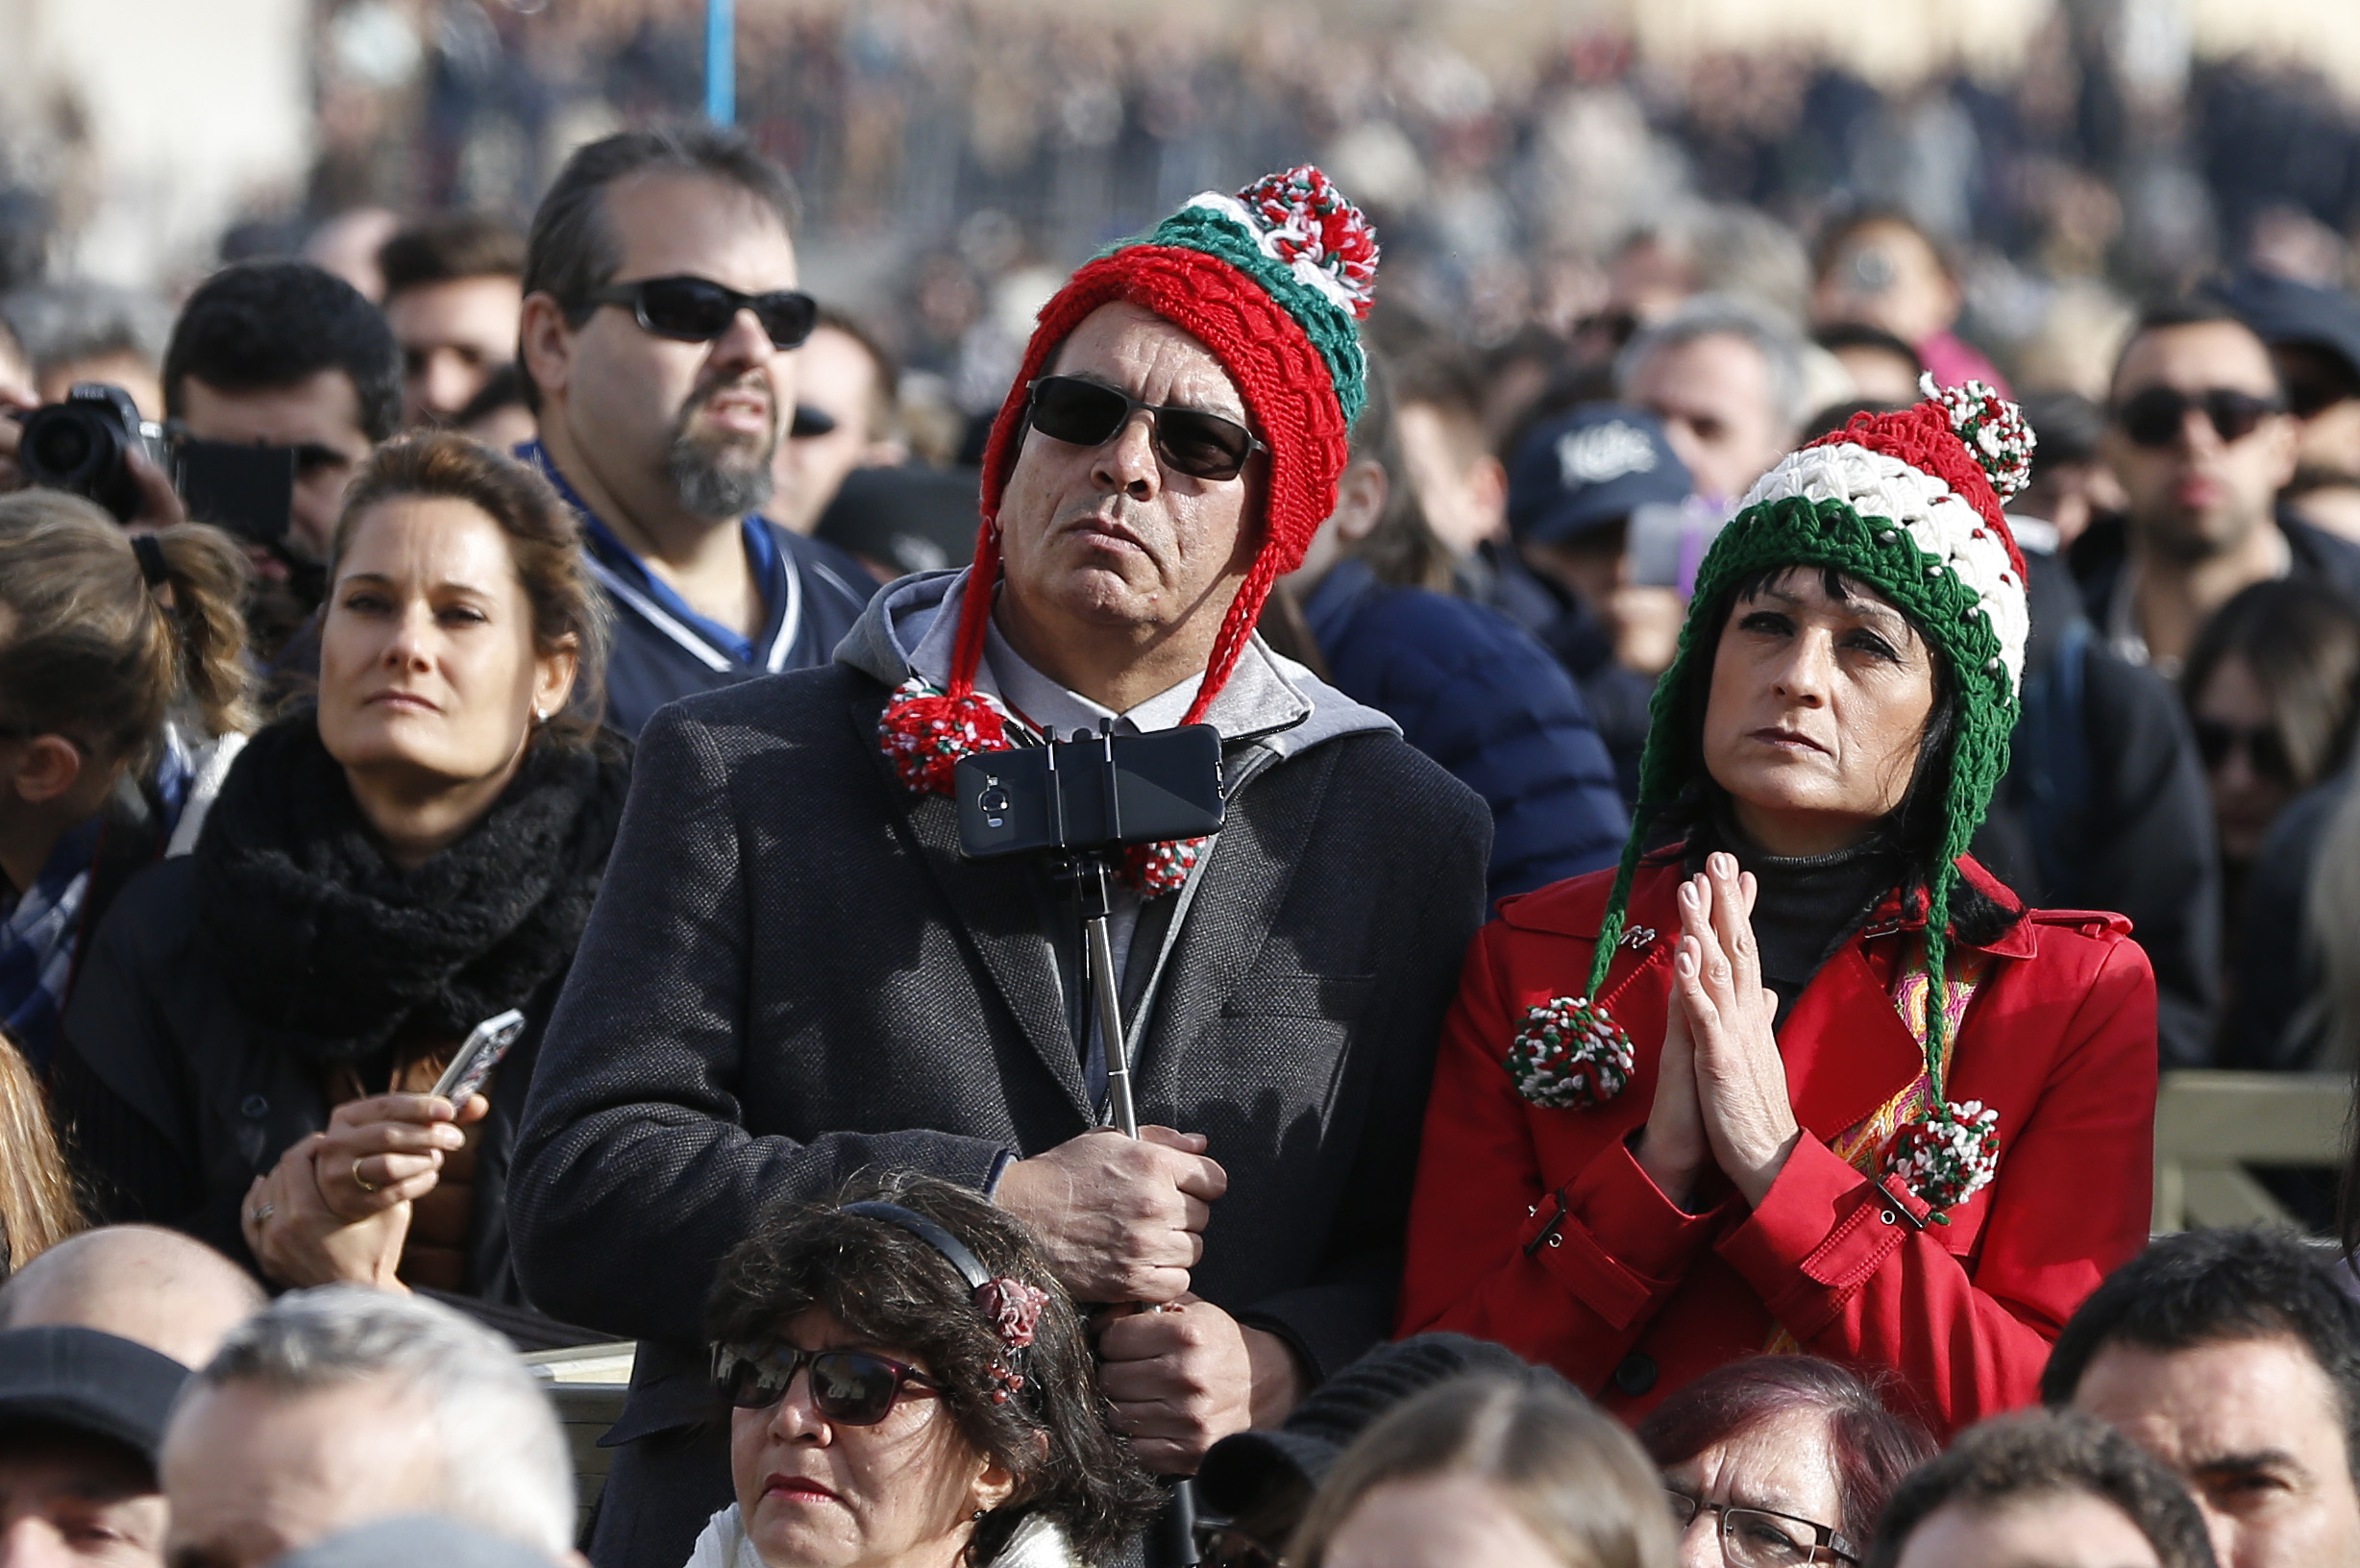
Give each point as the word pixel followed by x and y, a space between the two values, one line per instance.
pixel 454 294
pixel 664 395
pixel 281 353
pixel 1771 1456
pixel 461 631
pixel 85 330
pixel 844 418
pixel 82 1416
pixel 1509 1472
pixel 156 1287
pixel 2046 1490
pixel 91 659
pixel 1728 383
pixel 342 1405
pixel 2233 1356
pixel 911 1385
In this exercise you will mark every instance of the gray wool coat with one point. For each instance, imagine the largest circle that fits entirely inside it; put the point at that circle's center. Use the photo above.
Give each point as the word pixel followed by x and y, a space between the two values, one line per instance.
pixel 792 976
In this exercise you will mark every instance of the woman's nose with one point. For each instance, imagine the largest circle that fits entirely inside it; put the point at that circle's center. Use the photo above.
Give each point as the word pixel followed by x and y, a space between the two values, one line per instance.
pixel 407 648
pixel 1803 677
pixel 794 1418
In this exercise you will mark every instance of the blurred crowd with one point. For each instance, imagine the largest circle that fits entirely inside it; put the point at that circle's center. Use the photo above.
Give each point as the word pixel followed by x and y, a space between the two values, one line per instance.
pixel 503 701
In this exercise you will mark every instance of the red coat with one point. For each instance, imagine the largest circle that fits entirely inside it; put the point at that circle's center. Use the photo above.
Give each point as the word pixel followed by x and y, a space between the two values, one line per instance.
pixel 1632 1297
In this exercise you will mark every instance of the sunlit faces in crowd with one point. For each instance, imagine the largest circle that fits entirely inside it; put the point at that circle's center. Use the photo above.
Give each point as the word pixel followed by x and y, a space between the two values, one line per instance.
pixel 454 335
pixel 2198 437
pixel 844 382
pixel 74 1502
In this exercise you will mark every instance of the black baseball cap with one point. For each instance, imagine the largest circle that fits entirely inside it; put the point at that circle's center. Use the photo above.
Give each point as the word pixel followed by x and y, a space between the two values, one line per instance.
pixel 2283 312
pixel 1597 464
pixel 81 1381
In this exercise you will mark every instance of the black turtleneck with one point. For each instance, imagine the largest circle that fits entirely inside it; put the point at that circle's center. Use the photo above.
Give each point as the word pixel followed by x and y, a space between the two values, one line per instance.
pixel 1807 906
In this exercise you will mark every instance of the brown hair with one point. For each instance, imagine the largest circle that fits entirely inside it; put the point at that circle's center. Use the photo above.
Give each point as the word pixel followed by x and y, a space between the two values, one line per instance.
pixel 569 609
pixel 1573 1477
pixel 89 650
pixel 36 1200
pixel 1868 1449
pixel 450 248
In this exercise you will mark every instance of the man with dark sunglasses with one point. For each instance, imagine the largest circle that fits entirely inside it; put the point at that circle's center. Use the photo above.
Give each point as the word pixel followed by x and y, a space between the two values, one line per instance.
pixel 793 973
pixel 661 319
pixel 2200 436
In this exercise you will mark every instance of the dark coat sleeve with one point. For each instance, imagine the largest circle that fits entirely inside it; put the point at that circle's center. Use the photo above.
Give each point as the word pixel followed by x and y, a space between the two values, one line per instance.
pixel 1348 1304
pixel 2270 1023
pixel 2149 849
pixel 635 1173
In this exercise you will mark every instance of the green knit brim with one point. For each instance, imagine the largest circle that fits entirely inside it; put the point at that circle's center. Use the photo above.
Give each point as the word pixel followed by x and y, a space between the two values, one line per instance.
pixel 1331 328
pixel 1879 552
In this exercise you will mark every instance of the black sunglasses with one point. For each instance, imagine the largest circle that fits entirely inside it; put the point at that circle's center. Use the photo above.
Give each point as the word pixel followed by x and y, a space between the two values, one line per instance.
pixel 853 1387
pixel 2153 417
pixel 2263 750
pixel 698 309
pixel 1189 440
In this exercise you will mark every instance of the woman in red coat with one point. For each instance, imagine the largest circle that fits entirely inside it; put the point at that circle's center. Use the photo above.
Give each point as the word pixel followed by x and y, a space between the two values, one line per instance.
pixel 1808 1077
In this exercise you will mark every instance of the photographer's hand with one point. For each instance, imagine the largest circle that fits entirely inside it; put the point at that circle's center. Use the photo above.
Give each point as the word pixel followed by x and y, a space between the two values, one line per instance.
pixel 1122 1220
pixel 159 504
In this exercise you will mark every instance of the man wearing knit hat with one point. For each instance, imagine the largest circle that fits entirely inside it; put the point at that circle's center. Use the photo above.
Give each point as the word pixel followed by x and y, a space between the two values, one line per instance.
pixel 793 975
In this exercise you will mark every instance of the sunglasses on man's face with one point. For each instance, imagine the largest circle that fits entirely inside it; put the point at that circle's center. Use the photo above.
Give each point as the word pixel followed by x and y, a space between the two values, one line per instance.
pixel 698 309
pixel 1187 440
pixel 2156 417
pixel 851 1387
pixel 2265 754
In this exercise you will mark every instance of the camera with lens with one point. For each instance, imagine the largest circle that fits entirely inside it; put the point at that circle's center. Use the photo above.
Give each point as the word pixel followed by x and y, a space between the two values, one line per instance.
pixel 83 445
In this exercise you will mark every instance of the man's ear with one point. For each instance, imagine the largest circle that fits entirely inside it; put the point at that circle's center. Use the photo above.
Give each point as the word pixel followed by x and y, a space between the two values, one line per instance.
pixel 48 767
pixel 545 343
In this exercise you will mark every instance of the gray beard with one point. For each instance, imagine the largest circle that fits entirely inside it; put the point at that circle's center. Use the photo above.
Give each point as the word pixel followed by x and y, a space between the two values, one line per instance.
pixel 716 484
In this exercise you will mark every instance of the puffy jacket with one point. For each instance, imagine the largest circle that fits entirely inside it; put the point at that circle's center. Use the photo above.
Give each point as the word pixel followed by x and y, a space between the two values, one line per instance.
pixel 1475 692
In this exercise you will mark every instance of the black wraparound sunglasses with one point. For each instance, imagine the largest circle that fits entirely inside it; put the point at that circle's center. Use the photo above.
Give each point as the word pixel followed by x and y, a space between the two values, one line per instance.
pixel 698 310
pixel 2153 417
pixel 1189 440
pixel 853 1388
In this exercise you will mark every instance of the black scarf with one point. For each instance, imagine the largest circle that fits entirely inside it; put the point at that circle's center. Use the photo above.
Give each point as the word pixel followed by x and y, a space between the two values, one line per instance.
pixel 339 954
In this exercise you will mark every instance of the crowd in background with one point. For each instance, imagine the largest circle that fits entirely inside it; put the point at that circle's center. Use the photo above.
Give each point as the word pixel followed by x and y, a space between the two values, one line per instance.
pixel 308 778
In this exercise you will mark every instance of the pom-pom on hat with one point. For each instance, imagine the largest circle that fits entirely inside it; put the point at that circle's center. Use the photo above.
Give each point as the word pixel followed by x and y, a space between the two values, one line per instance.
pixel 1273 281
pixel 1909 504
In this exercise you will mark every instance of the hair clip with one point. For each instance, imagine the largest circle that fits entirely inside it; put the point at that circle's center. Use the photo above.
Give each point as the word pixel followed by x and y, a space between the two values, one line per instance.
pixel 1012 1308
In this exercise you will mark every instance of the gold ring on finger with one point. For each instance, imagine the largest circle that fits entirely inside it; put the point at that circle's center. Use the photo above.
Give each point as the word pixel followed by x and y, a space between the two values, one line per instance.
pixel 358 1180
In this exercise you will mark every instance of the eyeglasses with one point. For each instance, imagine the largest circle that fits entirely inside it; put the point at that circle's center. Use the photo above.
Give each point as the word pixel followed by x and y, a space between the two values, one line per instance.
pixel 853 1388
pixel 698 309
pixel 2263 751
pixel 1189 440
pixel 2154 417
pixel 1760 1538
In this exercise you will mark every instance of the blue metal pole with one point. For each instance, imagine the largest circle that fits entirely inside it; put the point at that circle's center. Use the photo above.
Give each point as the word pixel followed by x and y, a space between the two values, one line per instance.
pixel 720 61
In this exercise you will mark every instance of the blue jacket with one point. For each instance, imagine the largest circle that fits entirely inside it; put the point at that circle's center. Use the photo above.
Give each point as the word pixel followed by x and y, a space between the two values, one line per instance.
pixel 1478 694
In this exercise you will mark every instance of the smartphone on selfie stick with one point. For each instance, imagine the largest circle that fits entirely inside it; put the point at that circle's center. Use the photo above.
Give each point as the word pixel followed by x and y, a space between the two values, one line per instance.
pixel 1079 804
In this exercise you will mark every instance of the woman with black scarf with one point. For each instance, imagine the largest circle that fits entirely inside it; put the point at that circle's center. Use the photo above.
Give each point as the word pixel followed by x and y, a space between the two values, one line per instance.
pixel 250 1055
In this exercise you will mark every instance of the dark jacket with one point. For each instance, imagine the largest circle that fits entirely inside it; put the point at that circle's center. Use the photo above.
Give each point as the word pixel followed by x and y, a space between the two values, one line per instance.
pixel 193 1060
pixel 2272 1023
pixel 792 976
pixel 2096 558
pixel 2104 807
pixel 655 659
pixel 1473 691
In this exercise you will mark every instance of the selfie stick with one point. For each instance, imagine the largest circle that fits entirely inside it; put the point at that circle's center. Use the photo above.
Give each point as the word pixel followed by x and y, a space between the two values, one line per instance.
pixel 1096 897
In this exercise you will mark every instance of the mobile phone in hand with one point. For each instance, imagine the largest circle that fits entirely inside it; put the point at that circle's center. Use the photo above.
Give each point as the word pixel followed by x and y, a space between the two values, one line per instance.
pixel 481 1052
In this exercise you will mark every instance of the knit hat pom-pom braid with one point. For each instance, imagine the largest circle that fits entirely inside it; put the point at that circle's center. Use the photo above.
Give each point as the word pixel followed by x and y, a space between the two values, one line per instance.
pixel 1992 429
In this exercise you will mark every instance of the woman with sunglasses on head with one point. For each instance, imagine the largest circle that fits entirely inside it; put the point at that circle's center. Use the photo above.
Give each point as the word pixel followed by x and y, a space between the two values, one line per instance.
pixel 387 871
pixel 1778 1461
pixel 910 1389
pixel 1801 1073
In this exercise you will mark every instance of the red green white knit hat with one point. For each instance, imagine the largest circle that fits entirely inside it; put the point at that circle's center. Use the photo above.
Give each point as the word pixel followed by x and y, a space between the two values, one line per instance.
pixel 1274 280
